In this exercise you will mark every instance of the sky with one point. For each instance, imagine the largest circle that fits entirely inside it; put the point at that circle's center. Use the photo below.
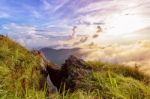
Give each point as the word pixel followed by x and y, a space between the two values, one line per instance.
pixel 42 23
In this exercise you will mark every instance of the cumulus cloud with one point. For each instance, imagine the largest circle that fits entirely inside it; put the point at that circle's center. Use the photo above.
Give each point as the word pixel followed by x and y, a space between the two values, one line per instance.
pixel 129 54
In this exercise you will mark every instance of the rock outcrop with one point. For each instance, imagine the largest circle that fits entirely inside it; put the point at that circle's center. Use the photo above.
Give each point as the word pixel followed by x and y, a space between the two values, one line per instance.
pixel 73 71
pixel 69 74
pixel 46 68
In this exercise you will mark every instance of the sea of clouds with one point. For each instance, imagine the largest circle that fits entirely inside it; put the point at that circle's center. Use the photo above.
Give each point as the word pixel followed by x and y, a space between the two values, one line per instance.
pixel 135 53
pixel 132 54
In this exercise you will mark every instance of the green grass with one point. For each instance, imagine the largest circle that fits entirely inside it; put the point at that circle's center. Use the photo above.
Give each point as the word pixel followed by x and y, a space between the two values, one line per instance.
pixel 17 69
pixel 123 70
pixel 109 85
pixel 19 78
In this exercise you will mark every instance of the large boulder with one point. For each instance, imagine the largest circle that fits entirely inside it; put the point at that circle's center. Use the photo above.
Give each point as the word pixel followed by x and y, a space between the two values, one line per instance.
pixel 73 71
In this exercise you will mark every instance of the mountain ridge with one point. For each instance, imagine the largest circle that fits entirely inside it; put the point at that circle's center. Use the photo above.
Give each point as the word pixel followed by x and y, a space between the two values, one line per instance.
pixel 59 55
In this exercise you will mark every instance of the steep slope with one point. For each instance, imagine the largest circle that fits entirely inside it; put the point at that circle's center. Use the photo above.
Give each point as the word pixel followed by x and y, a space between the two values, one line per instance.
pixel 19 70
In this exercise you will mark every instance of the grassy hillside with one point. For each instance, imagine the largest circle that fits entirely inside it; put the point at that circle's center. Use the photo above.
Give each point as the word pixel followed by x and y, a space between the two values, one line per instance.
pixel 19 78
pixel 18 74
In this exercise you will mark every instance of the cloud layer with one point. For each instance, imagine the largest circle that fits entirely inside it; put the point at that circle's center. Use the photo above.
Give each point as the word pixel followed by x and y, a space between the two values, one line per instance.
pixel 41 20
pixel 130 54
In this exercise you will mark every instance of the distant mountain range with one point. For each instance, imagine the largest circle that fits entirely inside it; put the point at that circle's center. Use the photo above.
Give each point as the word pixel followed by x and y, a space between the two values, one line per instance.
pixel 59 56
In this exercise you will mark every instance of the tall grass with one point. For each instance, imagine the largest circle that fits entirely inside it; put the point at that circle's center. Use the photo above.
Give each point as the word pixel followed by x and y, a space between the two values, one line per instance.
pixel 120 70
pixel 20 74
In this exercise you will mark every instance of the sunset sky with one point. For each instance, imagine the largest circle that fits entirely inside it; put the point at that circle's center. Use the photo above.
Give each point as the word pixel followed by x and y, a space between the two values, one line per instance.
pixel 36 23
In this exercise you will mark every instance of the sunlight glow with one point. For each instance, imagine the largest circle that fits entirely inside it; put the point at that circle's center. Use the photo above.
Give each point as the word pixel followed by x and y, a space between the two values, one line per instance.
pixel 122 24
